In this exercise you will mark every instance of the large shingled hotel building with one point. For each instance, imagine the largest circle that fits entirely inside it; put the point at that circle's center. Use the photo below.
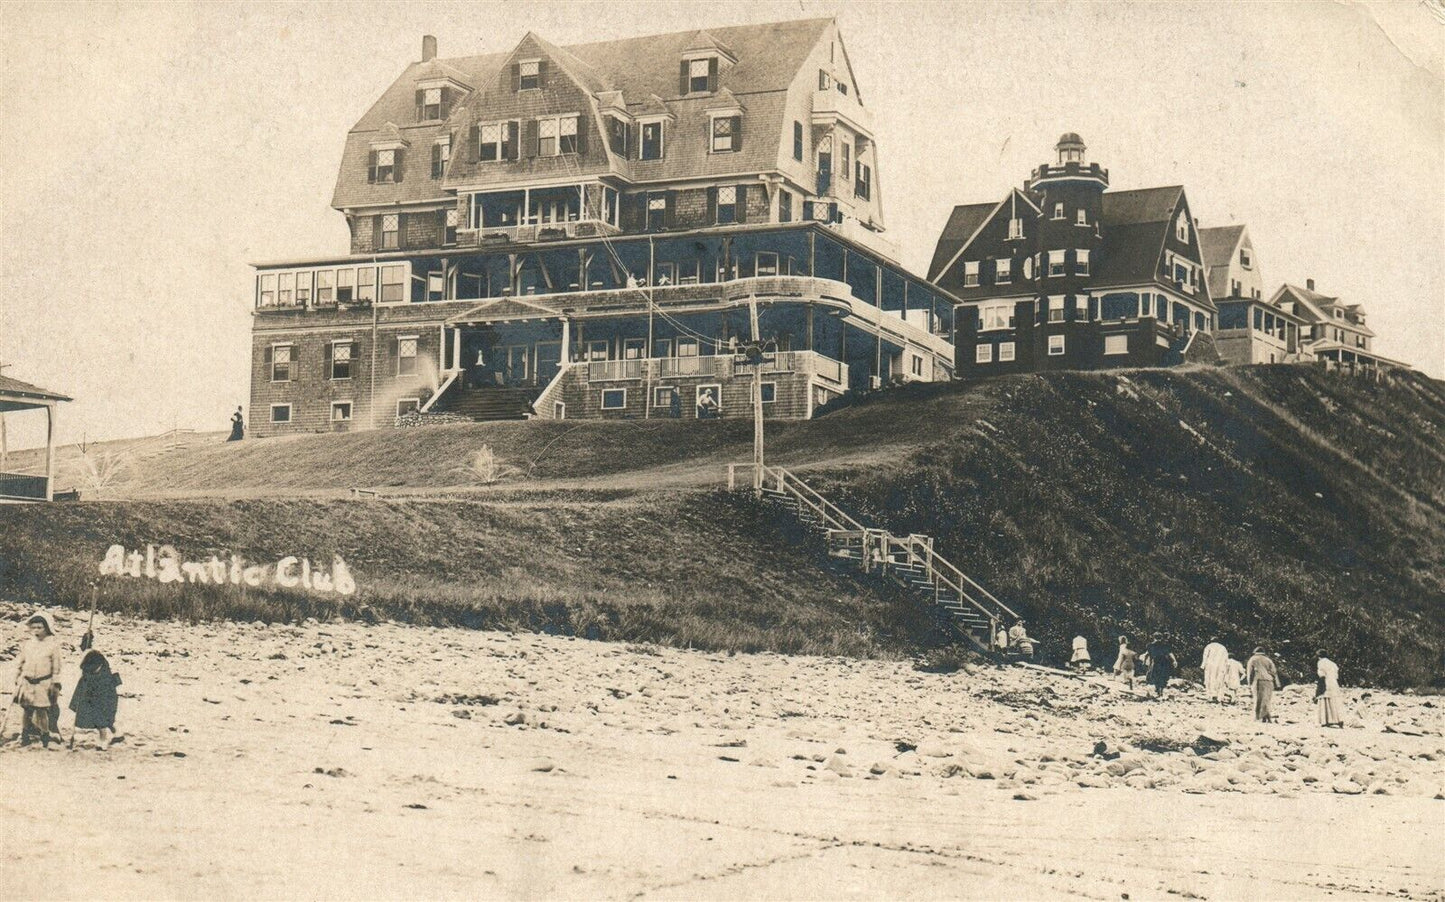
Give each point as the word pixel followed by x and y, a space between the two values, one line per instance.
pixel 586 231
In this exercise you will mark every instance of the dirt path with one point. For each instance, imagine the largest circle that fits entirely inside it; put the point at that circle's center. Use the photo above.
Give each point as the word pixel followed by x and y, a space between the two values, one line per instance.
pixel 341 760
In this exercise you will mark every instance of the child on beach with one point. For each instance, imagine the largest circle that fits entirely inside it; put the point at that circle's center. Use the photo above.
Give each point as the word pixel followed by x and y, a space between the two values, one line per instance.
pixel 1124 665
pixel 37 682
pixel 95 699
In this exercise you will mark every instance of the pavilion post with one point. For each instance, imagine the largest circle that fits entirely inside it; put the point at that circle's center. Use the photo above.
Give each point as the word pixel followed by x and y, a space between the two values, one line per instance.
pixel 50 452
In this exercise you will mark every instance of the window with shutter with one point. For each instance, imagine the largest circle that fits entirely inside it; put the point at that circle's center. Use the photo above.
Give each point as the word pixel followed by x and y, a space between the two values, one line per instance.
pixel 385 167
pixel 547 137
pixel 390 231
pixel 281 363
pixel 529 75
pixel 725 205
pixel 698 75
pixel 429 104
pixel 651 141
pixel 406 349
pixel 567 134
pixel 725 133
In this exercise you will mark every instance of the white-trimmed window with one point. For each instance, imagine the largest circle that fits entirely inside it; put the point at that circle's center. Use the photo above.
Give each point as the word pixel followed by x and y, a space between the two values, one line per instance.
pixel 384 169
pixel 970 273
pixel 983 353
pixel 687 347
pixel 766 263
pixel 281 363
pixel 915 365
pixel 405 406
pixel 491 137
pixel 1081 306
pixel 770 392
pixel 529 75
pixel 1005 351
pixel 663 397
pixel 1015 229
pixel 366 285
pixel 281 413
pixel 393 284
pixel 341 354
pixel 406 348
pixel 547 137
pixel 1058 211
pixel 597 350
pixel 1181 228
pixel 1056 309
pixel 1081 262
pixel 1056 263
pixel 1003 271
pixel 726 134
pixel 1056 345
pixel 431 104
pixel 1116 344
pixel 285 288
pixel 698 72
pixel 267 297
pixel 1081 217
pixel 326 286
pixel 614 398
pixel 1244 258
pixel 996 316
pixel 340 411
pixel 651 146
pixel 1146 304
pixel 441 154
pixel 303 288
pixel 727 205
pixel 390 231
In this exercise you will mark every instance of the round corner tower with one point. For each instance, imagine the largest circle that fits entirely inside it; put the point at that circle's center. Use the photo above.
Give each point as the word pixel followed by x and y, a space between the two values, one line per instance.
pixel 1070 192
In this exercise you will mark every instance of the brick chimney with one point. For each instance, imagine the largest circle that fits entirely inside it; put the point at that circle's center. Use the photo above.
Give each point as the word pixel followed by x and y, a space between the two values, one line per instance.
pixel 428 47
pixel 1310 284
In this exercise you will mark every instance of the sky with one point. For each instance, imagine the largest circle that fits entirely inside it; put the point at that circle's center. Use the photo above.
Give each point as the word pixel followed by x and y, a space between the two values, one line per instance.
pixel 153 151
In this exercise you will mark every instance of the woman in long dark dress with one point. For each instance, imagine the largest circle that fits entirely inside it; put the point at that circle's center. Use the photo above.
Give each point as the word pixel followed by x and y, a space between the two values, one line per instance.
pixel 238 426
pixel 1162 665
pixel 95 699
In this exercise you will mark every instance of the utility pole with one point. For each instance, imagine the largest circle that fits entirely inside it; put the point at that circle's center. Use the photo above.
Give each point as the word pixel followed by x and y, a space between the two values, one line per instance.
pixel 757 399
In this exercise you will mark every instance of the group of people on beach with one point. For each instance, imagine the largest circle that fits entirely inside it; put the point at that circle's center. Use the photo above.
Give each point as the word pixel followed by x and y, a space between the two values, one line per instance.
pixel 38 688
pixel 1224 677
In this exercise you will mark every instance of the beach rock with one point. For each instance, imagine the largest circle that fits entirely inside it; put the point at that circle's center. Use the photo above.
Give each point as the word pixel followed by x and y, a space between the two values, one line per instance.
pixel 838 766
pixel 543 765
pixel 1347 787
pixel 515 719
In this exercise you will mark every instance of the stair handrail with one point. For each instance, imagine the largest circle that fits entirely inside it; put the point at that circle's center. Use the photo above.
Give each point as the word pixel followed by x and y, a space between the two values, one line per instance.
pixel 787 482
pixel 441 390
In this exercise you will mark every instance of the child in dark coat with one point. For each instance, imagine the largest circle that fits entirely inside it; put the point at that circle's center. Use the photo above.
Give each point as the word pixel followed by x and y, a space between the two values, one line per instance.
pixel 95 699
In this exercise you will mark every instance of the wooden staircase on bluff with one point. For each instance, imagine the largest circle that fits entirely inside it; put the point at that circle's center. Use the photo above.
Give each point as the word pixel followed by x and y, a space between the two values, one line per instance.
pixel 490 403
pixel 909 560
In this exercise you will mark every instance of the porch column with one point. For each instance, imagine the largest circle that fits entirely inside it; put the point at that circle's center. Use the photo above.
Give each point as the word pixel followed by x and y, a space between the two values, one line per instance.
pixel 566 341
pixel 457 349
pixel 50 452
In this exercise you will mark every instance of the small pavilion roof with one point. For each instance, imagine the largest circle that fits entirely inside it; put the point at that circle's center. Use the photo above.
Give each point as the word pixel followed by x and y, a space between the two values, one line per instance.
pixel 14 390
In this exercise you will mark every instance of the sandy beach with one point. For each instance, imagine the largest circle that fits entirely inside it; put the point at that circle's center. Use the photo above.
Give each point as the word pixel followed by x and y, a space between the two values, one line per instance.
pixel 344 760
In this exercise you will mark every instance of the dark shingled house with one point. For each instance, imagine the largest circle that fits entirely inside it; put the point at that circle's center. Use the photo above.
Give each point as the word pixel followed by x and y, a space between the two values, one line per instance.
pixel 1064 274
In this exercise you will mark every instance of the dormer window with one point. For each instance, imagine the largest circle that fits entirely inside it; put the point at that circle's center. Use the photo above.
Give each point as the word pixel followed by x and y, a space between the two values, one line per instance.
pixel 1181 228
pixel 384 165
pixel 431 104
pixel 1244 259
pixel 529 75
pixel 1015 229
pixel 651 147
pixel 697 75
pixel 727 134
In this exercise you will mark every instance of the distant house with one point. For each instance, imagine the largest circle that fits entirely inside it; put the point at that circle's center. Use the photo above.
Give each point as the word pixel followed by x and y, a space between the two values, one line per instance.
pixel 1064 274
pixel 1332 330
pixel 16 396
pixel 1251 328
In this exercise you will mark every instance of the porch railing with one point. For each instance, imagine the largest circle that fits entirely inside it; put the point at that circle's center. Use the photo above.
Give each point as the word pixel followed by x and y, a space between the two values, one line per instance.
pixel 721 366
pixel 18 485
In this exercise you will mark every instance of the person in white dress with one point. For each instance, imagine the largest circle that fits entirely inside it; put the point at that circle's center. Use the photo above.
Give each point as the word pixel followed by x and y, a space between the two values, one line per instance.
pixel 1216 671
pixel 1329 701
pixel 1080 659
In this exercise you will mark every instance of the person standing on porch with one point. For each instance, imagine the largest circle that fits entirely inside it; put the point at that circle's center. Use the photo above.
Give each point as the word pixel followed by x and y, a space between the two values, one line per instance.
pixel 1263 678
pixel 1328 698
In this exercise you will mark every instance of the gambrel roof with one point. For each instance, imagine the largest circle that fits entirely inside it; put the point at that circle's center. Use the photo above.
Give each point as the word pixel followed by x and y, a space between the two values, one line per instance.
pixel 759 63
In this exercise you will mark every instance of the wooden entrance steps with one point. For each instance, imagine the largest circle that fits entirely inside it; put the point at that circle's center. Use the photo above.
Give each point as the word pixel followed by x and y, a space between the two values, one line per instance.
pixel 908 560
pixel 491 403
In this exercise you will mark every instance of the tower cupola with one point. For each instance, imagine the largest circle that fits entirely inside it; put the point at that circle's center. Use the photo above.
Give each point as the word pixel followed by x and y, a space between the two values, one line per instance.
pixel 1071 148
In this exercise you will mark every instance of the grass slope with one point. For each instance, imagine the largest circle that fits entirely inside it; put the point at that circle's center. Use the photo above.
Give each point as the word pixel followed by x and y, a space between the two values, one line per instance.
pixel 1273 504
pixel 681 570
